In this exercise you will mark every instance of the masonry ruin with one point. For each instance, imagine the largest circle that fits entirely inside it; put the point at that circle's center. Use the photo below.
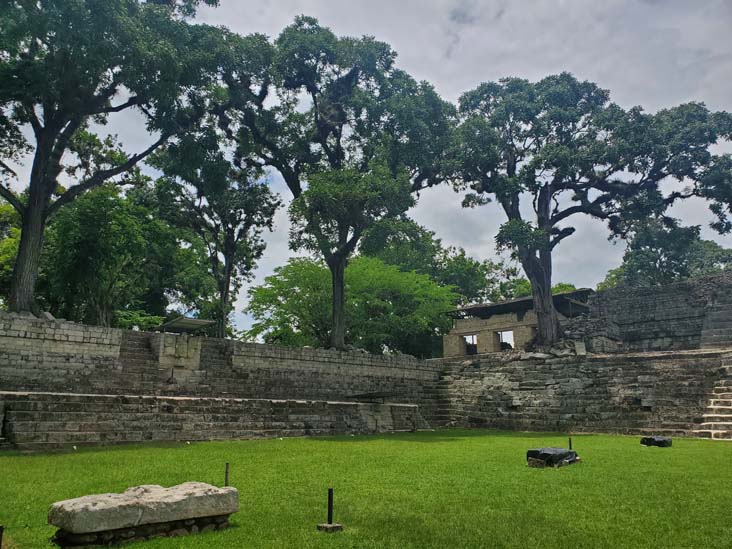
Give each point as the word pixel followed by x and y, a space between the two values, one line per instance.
pixel 646 361
pixel 495 327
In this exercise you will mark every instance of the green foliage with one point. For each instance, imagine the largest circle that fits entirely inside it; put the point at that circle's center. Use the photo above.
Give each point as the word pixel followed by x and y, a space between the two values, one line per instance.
pixel 137 319
pixel 339 205
pixel 661 253
pixel 9 239
pixel 222 203
pixel 66 66
pixel 387 309
pixel 411 247
pixel 107 258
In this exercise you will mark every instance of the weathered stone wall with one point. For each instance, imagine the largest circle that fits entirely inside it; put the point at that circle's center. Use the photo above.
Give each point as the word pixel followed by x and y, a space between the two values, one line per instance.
pixel 50 420
pixel 37 355
pixel 686 315
pixel 654 392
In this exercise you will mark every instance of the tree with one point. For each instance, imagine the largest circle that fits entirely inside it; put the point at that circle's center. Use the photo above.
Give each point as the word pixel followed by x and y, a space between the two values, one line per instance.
pixel 226 207
pixel 332 214
pixel 341 105
pixel 558 148
pixel 402 242
pixel 662 252
pixel 387 309
pixel 108 261
pixel 65 67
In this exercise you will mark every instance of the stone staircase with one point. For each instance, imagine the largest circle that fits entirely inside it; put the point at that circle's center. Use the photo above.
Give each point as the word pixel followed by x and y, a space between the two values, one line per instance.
pixel 717 420
pixel 717 326
pixel 138 363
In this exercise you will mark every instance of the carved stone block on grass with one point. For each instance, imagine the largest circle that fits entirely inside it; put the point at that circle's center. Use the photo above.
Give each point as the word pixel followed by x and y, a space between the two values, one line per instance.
pixel 142 512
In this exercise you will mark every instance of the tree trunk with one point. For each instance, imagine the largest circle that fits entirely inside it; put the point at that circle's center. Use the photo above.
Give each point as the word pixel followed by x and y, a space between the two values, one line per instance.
pixel 224 292
pixel 25 272
pixel 223 309
pixel 337 266
pixel 539 272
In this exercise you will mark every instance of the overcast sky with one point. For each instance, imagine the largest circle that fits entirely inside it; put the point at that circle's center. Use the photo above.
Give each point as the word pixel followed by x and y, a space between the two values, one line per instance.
pixel 654 53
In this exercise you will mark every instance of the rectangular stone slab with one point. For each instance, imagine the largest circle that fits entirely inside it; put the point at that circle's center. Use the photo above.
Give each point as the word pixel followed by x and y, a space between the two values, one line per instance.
pixel 147 504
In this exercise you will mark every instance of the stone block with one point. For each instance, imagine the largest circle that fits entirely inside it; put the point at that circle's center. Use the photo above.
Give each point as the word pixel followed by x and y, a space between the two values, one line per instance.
pixel 147 504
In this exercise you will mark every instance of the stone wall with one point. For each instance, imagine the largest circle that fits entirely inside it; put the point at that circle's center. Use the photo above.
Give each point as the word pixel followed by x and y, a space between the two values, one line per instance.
pixel 37 355
pixel 686 315
pixel 628 393
pixel 49 420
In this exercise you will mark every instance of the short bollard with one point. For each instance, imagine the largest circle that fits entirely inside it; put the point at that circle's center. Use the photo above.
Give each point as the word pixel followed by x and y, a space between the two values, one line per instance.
pixel 226 475
pixel 570 443
pixel 330 526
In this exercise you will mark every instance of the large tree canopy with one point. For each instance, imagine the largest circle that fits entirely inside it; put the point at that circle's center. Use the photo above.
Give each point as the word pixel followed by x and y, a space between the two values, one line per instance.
pixel 387 309
pixel 553 149
pixel 65 67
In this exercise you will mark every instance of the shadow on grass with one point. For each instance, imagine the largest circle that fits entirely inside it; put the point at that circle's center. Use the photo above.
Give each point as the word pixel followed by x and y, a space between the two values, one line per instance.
pixel 441 435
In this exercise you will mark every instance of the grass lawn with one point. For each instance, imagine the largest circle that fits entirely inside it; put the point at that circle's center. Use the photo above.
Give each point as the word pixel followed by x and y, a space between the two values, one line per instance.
pixel 450 488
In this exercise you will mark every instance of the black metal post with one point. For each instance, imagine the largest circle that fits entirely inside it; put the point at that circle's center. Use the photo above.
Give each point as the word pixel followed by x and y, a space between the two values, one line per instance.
pixel 226 475
pixel 330 505
pixel 570 443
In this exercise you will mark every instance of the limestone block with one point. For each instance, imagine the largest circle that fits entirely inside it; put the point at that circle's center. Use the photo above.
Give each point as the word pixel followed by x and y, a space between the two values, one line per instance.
pixel 147 504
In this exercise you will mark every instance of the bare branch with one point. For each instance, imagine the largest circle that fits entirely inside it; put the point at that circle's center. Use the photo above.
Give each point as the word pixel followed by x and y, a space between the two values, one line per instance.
pixel 13 200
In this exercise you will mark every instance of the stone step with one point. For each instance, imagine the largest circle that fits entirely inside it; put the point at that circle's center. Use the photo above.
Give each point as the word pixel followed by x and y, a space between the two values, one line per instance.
pixel 713 435
pixel 720 402
pixel 716 425
pixel 721 392
pixel 717 417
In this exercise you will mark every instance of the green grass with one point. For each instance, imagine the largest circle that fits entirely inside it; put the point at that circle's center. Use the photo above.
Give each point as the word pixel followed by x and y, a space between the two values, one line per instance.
pixel 450 488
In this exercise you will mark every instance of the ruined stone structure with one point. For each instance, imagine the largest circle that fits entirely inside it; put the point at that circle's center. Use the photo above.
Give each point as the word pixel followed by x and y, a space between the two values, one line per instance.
pixel 63 383
pixel 480 329
pixel 643 361
pixel 687 315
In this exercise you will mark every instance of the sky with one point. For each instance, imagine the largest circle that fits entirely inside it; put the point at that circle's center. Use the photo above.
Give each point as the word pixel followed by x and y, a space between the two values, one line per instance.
pixel 653 53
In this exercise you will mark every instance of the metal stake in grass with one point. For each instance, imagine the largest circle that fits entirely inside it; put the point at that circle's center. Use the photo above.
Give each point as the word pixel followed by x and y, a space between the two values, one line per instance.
pixel 2 529
pixel 226 475
pixel 330 526
pixel 570 443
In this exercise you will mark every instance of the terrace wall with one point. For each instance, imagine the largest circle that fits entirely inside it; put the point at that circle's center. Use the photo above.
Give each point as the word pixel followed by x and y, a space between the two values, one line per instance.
pixel 65 357
pixel 48 420
pixel 624 393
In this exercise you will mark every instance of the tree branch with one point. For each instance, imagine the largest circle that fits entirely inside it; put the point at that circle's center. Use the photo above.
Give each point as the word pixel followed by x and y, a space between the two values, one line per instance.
pixel 10 197
pixel 101 176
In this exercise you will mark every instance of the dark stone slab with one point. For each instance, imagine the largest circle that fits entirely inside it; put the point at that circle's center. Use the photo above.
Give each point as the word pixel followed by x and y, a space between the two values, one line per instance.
pixel 551 457
pixel 661 442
